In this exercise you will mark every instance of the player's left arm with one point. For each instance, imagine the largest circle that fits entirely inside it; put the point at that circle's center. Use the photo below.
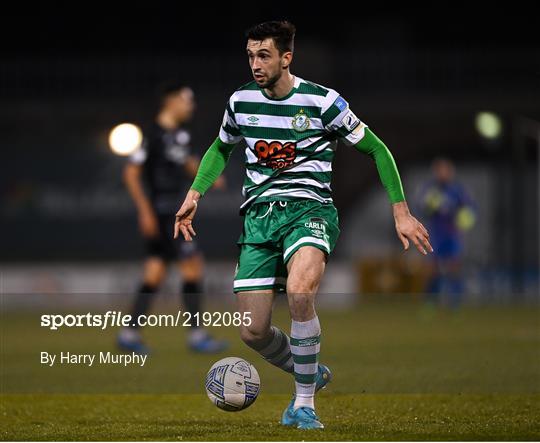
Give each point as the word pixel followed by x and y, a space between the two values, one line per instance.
pixel 408 227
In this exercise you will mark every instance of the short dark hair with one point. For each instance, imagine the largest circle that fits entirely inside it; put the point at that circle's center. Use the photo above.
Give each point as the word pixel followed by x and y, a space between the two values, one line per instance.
pixel 170 87
pixel 282 32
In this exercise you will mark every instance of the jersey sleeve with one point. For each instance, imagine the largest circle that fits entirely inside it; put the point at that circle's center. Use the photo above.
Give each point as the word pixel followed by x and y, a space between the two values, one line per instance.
pixel 139 156
pixel 337 118
pixel 230 132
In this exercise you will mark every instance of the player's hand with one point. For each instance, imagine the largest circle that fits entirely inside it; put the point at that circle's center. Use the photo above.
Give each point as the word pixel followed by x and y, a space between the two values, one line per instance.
pixel 410 229
pixel 148 223
pixel 184 216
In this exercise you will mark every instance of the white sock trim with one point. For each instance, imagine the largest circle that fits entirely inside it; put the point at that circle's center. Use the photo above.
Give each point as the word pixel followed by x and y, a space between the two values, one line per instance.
pixel 306 329
pixel 304 401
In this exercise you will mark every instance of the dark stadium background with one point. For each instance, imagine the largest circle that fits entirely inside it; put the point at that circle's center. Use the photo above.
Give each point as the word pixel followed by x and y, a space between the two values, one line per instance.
pixel 418 77
pixel 403 369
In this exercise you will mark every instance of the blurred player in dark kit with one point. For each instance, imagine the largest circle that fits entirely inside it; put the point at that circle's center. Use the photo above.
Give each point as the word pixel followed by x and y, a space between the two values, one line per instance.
pixel 165 165
pixel 449 212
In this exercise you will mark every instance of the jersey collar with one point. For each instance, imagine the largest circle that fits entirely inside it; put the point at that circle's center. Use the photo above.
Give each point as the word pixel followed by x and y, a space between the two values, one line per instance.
pixel 297 81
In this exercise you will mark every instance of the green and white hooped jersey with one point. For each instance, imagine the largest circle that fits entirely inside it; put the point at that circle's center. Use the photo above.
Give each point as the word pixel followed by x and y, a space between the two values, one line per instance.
pixel 290 141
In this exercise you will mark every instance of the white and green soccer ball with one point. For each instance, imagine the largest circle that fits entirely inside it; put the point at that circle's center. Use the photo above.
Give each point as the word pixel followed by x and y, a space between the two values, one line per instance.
pixel 232 384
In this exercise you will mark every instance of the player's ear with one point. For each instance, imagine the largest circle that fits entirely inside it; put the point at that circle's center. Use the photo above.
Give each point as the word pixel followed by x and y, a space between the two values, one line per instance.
pixel 286 59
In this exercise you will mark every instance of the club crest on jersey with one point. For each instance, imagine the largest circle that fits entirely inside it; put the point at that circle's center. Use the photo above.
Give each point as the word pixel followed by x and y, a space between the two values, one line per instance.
pixel 275 154
pixel 301 121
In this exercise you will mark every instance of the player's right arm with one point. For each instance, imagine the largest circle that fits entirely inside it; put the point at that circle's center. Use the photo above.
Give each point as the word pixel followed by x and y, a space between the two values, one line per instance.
pixel 133 180
pixel 339 119
pixel 211 167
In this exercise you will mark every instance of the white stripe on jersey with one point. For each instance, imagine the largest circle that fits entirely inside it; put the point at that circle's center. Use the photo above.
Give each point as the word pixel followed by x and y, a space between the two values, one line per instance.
pixel 329 100
pixel 312 166
pixel 230 139
pixel 259 178
pixel 296 193
pixel 304 181
pixel 269 121
pixel 296 99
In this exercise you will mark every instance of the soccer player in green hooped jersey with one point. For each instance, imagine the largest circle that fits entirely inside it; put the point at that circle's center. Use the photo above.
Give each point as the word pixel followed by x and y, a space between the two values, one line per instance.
pixel 291 127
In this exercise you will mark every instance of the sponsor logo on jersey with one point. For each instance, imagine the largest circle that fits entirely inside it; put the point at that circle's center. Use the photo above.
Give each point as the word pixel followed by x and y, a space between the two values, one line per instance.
pixel 341 104
pixel 253 121
pixel 301 121
pixel 350 121
pixel 275 154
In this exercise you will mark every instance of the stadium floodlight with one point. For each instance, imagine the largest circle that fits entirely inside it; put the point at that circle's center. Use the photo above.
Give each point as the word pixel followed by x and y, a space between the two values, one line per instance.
pixel 125 138
pixel 488 125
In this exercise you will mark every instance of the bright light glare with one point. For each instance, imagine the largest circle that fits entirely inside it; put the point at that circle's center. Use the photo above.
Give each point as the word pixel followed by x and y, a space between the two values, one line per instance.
pixel 124 139
pixel 488 125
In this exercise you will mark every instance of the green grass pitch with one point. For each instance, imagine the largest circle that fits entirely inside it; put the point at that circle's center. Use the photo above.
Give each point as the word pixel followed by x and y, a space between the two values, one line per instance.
pixel 401 372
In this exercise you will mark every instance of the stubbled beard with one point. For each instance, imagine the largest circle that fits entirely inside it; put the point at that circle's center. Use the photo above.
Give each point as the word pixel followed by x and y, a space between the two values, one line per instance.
pixel 271 82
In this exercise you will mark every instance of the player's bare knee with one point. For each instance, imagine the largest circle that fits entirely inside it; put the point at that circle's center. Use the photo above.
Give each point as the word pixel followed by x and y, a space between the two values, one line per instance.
pixel 306 286
pixel 192 268
pixel 154 271
pixel 192 276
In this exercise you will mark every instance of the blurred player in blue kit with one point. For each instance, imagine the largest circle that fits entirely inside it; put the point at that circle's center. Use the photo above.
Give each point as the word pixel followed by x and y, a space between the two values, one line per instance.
pixel 165 166
pixel 449 211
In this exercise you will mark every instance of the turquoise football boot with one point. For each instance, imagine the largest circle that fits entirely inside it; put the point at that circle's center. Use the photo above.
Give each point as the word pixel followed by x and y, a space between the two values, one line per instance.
pixel 324 376
pixel 305 418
